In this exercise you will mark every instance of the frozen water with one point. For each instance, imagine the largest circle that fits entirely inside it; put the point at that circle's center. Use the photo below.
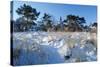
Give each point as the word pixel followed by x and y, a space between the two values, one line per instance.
pixel 45 48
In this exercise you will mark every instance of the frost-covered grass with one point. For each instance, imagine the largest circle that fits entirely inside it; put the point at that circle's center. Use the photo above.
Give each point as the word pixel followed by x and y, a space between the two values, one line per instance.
pixel 50 48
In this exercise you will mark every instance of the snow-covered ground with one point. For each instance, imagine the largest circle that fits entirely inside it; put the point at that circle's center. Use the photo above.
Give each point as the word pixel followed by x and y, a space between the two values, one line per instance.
pixel 50 48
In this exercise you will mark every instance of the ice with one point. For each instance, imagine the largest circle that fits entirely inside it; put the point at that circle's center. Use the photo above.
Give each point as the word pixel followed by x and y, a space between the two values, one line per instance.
pixel 46 48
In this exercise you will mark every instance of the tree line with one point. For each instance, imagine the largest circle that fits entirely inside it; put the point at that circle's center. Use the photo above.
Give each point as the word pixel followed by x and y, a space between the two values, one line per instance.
pixel 28 16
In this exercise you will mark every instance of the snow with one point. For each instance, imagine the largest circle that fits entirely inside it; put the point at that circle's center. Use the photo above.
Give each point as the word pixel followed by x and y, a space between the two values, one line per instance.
pixel 48 48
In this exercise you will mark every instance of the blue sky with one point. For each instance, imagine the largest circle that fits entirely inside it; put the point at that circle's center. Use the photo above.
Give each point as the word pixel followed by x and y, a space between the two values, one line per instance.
pixel 57 10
